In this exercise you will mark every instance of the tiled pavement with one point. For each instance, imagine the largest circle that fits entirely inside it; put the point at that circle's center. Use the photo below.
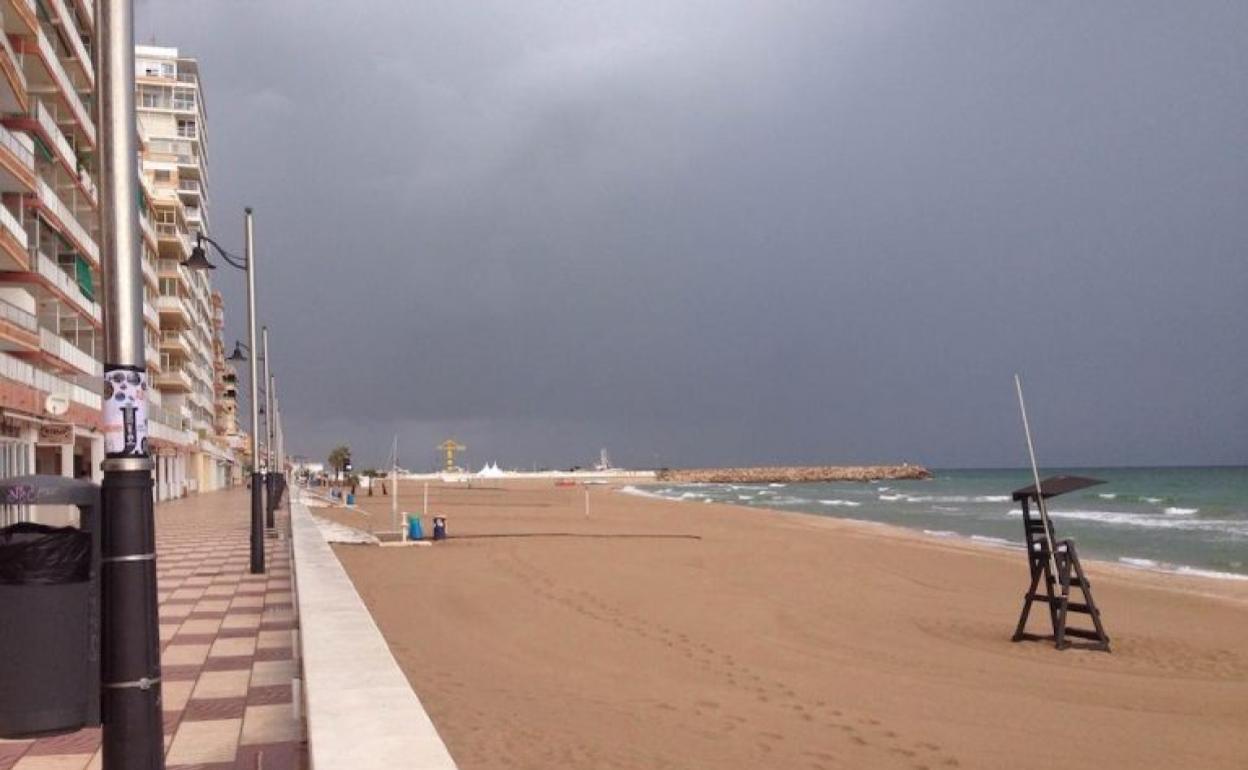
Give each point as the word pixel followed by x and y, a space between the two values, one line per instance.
pixel 228 647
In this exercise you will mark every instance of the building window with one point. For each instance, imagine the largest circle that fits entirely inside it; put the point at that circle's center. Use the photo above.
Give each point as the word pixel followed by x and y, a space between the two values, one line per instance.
pixel 186 128
pixel 163 175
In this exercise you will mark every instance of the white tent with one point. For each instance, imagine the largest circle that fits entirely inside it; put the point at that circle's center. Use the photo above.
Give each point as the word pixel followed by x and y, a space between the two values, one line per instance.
pixel 490 471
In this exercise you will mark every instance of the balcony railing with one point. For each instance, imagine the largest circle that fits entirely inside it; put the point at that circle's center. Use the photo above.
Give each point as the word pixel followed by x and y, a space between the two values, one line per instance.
pixel 172 304
pixel 18 317
pixel 17 68
pixel 75 40
pixel 24 150
pixel 65 86
pixel 56 137
pixel 149 272
pixel 21 372
pixel 68 221
pixel 149 312
pixel 189 185
pixel 10 223
pixel 67 285
pixel 53 343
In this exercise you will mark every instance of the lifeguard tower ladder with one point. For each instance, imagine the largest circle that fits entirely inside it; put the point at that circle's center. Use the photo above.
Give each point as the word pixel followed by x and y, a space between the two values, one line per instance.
pixel 1065 560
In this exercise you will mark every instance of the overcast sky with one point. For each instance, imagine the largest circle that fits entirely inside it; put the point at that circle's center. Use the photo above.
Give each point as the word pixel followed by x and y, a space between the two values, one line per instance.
pixel 738 232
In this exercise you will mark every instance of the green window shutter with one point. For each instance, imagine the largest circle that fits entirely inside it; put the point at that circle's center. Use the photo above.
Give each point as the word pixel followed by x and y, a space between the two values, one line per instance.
pixel 82 271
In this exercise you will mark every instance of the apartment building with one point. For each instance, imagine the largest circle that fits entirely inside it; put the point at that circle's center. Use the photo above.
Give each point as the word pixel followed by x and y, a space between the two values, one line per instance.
pixel 51 341
pixel 195 450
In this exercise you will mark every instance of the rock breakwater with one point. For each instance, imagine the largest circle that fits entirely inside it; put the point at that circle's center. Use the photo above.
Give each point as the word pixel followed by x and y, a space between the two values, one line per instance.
pixel 793 474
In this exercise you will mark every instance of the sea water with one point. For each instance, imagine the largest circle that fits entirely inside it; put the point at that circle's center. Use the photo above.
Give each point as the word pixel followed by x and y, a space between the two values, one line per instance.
pixel 1188 520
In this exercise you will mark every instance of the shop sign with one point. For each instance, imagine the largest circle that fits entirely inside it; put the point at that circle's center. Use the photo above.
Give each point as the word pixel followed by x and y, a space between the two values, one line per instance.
pixel 56 433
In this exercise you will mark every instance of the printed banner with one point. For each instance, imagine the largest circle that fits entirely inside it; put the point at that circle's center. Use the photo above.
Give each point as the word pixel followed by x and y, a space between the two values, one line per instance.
pixel 125 412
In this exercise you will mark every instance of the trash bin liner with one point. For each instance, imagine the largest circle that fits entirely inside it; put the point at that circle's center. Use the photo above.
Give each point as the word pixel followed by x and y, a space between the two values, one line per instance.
pixel 36 554
pixel 46 655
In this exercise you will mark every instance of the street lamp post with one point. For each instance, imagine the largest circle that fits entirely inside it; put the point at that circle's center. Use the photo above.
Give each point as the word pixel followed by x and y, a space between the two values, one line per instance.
pixel 129 634
pixel 199 261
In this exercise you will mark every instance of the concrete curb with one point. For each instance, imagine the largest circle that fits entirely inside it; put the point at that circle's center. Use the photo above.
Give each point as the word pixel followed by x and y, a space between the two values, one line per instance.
pixel 361 712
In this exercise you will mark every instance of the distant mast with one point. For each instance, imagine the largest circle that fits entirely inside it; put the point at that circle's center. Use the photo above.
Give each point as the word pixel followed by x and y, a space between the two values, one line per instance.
pixel 604 461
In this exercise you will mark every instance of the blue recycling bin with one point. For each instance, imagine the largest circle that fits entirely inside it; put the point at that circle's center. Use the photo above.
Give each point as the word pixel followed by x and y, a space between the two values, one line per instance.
pixel 414 529
pixel 350 499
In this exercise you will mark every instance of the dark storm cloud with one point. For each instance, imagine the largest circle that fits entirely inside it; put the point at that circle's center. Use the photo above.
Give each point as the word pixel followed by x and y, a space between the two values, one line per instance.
pixel 700 232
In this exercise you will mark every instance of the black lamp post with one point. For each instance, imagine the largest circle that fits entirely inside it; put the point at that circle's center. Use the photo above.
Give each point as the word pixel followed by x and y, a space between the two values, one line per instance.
pixel 199 261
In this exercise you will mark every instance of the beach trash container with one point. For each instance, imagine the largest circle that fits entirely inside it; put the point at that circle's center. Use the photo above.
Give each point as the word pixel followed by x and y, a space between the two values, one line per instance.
pixel 49 612
pixel 350 499
pixel 414 529
pixel 439 527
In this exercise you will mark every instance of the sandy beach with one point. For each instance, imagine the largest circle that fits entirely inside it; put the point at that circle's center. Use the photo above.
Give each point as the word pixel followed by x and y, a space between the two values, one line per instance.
pixel 657 634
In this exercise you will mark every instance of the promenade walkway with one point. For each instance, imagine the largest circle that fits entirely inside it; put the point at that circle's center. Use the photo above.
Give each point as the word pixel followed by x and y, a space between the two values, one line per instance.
pixel 228 650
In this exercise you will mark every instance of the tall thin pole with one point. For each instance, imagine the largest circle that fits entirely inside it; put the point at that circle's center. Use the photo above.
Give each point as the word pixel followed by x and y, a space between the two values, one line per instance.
pixel 1035 474
pixel 258 465
pixel 129 634
pixel 394 483
pixel 268 431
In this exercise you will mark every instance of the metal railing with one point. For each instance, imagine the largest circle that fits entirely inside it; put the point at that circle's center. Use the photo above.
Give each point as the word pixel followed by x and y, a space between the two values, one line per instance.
pixel 55 135
pixel 53 343
pixel 68 286
pixel 65 85
pixel 17 63
pixel 73 228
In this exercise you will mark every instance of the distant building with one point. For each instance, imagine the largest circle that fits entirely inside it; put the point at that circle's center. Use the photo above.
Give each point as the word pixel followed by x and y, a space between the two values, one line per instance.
pixel 195 437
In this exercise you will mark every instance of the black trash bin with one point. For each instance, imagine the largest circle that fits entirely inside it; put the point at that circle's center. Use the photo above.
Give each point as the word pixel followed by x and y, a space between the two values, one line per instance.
pixel 49 612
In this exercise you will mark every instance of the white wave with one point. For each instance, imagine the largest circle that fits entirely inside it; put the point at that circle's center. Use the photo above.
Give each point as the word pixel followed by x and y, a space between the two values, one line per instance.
pixel 1181 511
pixel 632 490
pixel 848 503
pixel 892 498
pixel 1153 521
pixel 777 486
pixel 941 532
pixel 789 501
pixel 1153 500
pixel 947 508
pixel 1107 496
pixel 997 541
pixel 745 497
pixel 1142 563
pixel 882 489
pixel 1211 573
pixel 950 498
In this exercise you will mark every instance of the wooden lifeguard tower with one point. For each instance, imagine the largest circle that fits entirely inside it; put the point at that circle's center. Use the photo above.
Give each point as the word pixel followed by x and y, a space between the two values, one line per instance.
pixel 1056 563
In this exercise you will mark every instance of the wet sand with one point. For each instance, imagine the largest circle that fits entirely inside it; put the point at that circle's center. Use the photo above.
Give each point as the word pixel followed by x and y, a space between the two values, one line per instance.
pixel 657 634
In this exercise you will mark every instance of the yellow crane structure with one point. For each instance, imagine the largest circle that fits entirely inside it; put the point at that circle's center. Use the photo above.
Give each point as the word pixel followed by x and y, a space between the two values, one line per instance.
pixel 450 447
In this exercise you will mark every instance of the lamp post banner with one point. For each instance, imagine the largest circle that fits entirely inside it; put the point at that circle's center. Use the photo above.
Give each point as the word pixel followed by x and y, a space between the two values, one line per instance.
pixel 125 412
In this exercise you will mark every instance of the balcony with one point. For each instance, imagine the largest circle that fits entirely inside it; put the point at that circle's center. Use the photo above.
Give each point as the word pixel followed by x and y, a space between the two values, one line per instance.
pixel 19 329
pixel 17 162
pixel 171 233
pixel 13 96
pixel 150 315
pixel 14 249
pixel 64 20
pixel 152 356
pixel 66 288
pixel 63 350
pixel 174 378
pixel 149 273
pixel 149 234
pixel 67 223
pixel 174 307
pixel 12 368
pixel 60 82
pixel 175 341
